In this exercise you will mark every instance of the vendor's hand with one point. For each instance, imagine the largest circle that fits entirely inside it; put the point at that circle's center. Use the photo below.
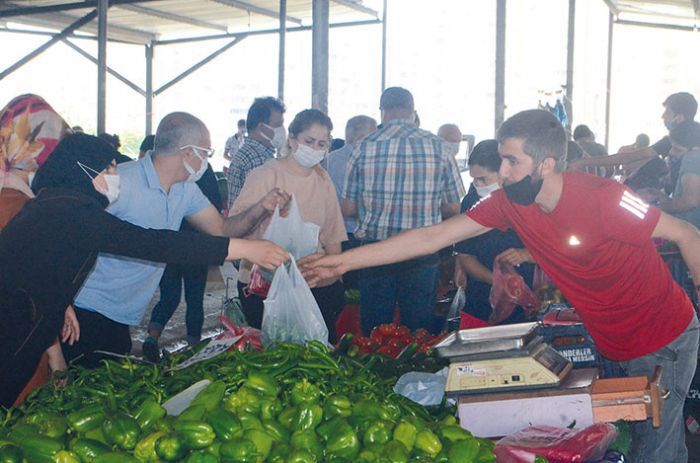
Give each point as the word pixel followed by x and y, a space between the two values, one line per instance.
pixel 515 257
pixel 264 253
pixel 57 363
pixel 276 197
pixel 320 267
pixel 70 333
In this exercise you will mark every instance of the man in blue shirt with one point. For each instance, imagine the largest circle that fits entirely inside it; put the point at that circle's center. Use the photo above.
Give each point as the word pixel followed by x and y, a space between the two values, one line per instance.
pixel 157 191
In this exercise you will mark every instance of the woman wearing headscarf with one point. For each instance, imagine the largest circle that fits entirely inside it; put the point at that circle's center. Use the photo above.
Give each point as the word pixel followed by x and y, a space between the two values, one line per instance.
pixel 29 131
pixel 51 245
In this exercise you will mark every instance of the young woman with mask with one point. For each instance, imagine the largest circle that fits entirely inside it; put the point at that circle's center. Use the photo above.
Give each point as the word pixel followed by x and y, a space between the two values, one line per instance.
pixel 476 256
pixel 298 172
pixel 49 248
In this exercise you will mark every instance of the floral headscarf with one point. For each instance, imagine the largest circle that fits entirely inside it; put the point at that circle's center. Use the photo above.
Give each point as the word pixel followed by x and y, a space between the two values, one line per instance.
pixel 29 131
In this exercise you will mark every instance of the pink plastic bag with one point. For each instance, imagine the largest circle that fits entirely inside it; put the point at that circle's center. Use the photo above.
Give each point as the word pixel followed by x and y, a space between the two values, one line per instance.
pixel 250 335
pixel 508 291
pixel 557 445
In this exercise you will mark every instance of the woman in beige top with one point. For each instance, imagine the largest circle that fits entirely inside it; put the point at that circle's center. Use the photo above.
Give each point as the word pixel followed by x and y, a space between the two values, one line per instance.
pixel 298 172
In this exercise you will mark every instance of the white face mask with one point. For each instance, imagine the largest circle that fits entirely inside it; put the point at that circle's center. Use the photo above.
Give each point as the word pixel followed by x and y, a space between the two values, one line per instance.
pixel 484 191
pixel 195 174
pixel 307 156
pixel 279 136
pixel 452 148
pixel 112 180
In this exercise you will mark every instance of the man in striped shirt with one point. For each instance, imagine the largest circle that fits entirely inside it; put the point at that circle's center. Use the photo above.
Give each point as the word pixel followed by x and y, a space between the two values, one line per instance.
pixel 400 177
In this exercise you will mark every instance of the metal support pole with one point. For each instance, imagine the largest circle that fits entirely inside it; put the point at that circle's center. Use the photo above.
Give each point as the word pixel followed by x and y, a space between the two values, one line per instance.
pixel 149 89
pixel 102 7
pixel 608 84
pixel 384 47
pixel 282 50
pixel 319 71
pixel 569 94
pixel 500 101
pixel 55 39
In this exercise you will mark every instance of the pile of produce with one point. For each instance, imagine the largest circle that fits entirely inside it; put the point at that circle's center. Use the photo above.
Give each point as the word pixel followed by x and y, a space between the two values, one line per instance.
pixel 291 404
pixel 391 340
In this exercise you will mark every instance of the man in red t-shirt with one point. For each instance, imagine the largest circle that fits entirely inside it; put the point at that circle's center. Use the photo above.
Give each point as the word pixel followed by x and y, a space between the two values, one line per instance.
pixel 592 236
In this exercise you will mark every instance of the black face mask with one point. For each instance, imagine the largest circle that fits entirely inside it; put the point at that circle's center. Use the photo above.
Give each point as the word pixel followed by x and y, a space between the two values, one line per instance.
pixel 523 192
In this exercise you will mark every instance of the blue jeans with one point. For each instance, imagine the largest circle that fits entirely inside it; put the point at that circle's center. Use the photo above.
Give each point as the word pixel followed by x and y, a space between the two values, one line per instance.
pixel 678 359
pixel 195 279
pixel 413 284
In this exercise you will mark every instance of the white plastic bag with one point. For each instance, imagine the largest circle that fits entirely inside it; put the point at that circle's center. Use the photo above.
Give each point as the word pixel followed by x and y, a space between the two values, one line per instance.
pixel 454 316
pixel 426 389
pixel 291 312
pixel 299 238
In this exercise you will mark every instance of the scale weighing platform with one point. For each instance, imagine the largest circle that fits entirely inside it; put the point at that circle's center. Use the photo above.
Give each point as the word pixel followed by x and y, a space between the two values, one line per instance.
pixel 500 358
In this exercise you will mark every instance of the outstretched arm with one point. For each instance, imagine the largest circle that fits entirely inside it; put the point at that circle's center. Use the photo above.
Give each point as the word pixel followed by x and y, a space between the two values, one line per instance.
pixel 687 237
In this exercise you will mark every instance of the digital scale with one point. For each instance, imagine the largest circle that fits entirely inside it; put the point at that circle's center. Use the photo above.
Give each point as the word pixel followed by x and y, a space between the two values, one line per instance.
pixel 500 358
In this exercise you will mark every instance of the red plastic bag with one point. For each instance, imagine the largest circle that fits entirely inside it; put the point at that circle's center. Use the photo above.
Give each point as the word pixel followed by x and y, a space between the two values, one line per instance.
pixel 250 335
pixel 508 291
pixel 557 445
pixel 258 285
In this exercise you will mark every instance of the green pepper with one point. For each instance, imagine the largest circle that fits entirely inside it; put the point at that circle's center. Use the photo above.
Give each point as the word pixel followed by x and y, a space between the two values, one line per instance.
pixel 148 413
pixel 307 440
pixel 97 435
pixel 262 383
pixel 454 433
pixel 396 452
pixel 367 456
pixel 66 456
pixel 405 433
pixel 337 405
pixel 279 453
pixel 301 456
pixel 442 457
pixel 485 454
pixel 389 412
pixel 305 393
pixel 115 457
pixel 244 401
pixel 464 450
pixel 10 453
pixel 122 430
pixel 249 421
pixel 262 442
pixel 270 408
pixel 540 459
pixel 287 417
pixel 308 416
pixel 275 430
pixel 225 424
pixel 192 413
pixel 49 424
pixel 201 456
pixel 88 449
pixel 145 450
pixel 22 429
pixel 378 432
pixel 171 447
pixel 448 420
pixel 428 442
pixel 87 418
pixel 39 449
pixel 196 434
pixel 239 451
pixel 341 440
pixel 210 397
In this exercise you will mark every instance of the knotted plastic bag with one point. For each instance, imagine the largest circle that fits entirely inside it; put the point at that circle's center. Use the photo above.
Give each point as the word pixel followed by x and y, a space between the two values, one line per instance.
pixel 291 312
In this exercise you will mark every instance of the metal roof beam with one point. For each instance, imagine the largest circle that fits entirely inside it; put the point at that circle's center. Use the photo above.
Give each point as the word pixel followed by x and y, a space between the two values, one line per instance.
pixel 30 10
pixel 172 17
pixel 357 7
pixel 675 27
pixel 256 9
pixel 117 75
pixel 613 7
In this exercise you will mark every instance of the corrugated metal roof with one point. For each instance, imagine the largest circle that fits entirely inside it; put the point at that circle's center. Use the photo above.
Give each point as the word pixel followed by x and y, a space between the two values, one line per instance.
pixel 685 13
pixel 141 21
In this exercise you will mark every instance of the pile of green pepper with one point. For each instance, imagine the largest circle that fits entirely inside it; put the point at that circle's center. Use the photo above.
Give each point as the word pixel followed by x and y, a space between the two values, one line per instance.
pixel 291 404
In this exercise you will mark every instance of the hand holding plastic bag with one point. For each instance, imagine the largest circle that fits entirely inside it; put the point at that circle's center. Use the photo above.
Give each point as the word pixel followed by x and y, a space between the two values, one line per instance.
pixel 454 316
pixel 291 312
pixel 508 291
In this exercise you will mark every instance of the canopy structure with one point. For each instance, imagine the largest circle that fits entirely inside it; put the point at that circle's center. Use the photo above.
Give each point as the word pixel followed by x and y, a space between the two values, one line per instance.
pixel 154 23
